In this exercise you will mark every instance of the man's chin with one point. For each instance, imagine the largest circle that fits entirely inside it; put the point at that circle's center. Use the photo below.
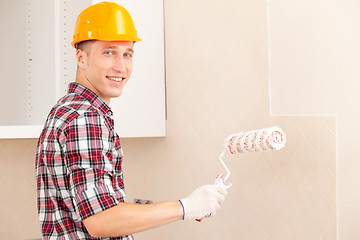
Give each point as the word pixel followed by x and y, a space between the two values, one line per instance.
pixel 116 95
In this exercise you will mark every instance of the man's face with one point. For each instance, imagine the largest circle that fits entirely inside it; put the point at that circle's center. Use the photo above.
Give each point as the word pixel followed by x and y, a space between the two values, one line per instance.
pixel 106 67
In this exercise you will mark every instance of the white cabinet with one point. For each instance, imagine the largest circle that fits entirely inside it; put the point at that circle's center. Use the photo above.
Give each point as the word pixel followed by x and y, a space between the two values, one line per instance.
pixel 37 64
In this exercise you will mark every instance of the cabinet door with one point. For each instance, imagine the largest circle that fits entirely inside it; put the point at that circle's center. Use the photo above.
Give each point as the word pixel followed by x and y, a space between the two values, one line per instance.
pixel 38 63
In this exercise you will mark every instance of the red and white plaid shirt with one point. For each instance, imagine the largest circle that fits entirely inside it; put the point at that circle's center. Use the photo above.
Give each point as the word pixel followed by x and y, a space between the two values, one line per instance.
pixel 78 165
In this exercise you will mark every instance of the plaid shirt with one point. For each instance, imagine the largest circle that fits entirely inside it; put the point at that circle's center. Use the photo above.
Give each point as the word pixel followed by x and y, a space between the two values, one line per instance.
pixel 78 165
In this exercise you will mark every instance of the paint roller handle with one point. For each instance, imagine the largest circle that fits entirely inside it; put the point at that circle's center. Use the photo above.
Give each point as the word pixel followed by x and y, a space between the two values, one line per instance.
pixel 219 180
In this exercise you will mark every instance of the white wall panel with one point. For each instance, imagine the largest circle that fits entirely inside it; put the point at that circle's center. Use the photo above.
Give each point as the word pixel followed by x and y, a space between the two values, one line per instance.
pixel 39 63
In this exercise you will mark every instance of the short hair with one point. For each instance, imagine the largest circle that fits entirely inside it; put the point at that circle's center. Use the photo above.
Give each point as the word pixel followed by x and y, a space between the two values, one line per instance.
pixel 84 46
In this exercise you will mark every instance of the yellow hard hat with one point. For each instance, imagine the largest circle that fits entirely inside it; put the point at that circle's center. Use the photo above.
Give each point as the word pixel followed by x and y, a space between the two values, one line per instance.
pixel 105 21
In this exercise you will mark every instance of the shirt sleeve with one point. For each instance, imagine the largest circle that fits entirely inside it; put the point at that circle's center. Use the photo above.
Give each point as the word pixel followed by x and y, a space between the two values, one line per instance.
pixel 87 143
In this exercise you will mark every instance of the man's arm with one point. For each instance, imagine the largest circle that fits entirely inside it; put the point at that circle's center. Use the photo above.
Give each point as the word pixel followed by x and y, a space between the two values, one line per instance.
pixel 127 218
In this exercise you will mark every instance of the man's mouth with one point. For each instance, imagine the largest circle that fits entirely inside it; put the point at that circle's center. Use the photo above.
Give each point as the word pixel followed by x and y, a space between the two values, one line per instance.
pixel 116 79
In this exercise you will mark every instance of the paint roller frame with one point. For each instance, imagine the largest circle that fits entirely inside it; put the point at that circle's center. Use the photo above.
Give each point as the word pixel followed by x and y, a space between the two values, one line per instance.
pixel 267 140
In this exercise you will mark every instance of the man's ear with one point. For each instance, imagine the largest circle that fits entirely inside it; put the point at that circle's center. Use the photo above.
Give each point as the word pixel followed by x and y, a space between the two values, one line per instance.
pixel 81 57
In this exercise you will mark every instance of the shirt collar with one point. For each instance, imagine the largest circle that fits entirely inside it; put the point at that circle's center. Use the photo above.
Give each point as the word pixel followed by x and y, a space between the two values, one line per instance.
pixel 89 95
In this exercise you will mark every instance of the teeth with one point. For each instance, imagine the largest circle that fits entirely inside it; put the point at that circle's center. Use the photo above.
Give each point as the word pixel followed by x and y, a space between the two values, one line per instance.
pixel 115 79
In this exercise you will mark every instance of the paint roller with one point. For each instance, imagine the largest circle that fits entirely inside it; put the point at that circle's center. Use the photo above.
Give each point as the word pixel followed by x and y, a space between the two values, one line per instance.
pixel 266 139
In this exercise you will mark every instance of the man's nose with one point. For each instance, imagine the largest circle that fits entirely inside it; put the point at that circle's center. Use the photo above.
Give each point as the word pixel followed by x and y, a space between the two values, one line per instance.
pixel 120 64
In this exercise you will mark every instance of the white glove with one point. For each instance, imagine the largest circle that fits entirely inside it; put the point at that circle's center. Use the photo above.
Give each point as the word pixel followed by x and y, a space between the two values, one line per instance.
pixel 204 201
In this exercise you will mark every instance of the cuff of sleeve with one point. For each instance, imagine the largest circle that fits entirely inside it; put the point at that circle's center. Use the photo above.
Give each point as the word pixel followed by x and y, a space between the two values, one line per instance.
pixel 95 200
pixel 183 210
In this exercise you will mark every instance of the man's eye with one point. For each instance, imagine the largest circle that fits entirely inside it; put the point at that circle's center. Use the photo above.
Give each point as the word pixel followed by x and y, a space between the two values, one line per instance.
pixel 128 55
pixel 108 53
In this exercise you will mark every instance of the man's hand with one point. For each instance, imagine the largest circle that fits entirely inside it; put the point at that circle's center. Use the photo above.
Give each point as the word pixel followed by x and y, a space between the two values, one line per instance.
pixel 204 201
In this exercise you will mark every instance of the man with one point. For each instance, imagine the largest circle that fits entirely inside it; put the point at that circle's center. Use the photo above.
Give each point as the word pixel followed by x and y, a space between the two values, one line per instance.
pixel 78 164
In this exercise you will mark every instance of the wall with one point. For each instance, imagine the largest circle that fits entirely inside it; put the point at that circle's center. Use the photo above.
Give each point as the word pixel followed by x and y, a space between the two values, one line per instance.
pixel 315 56
pixel 217 84
pixel 18 213
pixel 9 62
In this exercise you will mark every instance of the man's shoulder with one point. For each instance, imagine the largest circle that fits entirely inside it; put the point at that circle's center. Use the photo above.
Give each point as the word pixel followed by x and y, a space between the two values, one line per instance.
pixel 70 110
pixel 69 107
pixel 74 103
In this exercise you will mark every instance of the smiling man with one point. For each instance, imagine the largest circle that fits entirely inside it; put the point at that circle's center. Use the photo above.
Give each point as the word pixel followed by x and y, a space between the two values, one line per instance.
pixel 105 67
pixel 80 184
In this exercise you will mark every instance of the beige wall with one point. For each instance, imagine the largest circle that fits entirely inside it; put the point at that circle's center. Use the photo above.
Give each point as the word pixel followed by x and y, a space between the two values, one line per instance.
pixel 315 56
pixel 18 214
pixel 217 84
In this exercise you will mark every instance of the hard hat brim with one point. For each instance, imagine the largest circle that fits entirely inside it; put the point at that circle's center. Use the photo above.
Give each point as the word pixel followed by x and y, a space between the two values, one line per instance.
pixel 123 38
